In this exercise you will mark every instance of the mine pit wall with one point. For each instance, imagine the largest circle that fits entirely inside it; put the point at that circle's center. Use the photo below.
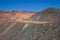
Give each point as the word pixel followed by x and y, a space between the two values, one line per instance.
pixel 49 31
pixel 40 32
pixel 7 15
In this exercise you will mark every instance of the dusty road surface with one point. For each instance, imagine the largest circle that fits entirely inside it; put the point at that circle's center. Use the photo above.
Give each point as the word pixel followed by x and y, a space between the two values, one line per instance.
pixel 29 30
pixel 34 22
pixel 11 29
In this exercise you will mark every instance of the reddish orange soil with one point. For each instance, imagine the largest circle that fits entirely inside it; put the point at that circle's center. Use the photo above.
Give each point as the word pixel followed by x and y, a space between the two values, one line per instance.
pixel 5 15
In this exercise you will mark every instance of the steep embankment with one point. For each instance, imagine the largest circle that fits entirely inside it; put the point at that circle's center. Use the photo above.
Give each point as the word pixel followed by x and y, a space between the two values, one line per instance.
pixel 49 31
pixel 13 15
pixel 8 29
pixel 30 30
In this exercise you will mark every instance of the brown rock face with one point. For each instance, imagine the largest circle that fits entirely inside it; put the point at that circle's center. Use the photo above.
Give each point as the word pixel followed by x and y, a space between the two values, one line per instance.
pixel 7 15
pixel 33 31
pixel 49 31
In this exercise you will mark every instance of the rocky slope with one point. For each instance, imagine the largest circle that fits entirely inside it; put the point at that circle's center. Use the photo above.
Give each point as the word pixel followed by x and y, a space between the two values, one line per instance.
pixel 49 31
pixel 10 15
pixel 50 14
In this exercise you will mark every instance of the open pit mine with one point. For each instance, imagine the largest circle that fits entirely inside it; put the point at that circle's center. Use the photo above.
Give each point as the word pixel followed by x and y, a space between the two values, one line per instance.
pixel 24 25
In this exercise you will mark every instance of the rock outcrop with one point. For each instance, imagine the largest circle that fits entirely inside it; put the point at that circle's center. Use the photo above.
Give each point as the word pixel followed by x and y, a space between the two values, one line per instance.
pixel 8 15
pixel 46 31
pixel 50 31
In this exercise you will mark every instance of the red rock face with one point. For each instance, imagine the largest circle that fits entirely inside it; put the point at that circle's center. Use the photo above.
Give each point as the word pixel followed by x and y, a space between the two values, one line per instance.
pixel 24 15
pixel 7 15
